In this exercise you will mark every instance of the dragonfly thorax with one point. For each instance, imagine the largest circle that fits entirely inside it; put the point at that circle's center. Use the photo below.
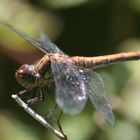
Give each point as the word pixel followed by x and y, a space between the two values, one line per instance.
pixel 27 76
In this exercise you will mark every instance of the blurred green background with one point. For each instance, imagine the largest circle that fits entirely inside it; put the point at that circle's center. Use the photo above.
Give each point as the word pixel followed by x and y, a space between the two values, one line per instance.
pixel 78 27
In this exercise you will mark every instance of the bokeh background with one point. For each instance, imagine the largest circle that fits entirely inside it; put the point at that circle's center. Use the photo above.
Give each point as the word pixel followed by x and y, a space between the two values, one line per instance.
pixel 78 27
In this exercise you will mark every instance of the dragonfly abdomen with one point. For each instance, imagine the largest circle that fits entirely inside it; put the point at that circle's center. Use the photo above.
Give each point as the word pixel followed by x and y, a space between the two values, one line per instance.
pixel 100 61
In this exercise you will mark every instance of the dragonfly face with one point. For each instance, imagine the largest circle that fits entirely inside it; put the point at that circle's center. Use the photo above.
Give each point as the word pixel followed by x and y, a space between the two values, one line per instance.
pixel 27 76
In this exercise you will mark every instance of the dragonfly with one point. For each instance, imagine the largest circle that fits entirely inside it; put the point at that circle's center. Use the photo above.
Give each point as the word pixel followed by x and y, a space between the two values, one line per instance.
pixel 73 76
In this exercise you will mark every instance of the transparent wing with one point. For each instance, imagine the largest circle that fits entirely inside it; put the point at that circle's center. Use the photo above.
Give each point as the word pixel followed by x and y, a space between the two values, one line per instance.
pixel 70 88
pixel 96 93
pixel 47 43
pixel 31 40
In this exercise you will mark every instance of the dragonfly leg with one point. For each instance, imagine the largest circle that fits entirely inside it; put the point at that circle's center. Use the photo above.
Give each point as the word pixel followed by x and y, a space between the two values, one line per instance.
pixel 22 92
pixel 35 99
pixel 58 122
pixel 41 95
pixel 51 112
pixel 60 116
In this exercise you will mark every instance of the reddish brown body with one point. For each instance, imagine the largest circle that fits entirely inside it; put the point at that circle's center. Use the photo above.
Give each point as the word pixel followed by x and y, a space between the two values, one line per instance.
pixel 73 84
pixel 86 62
pixel 99 61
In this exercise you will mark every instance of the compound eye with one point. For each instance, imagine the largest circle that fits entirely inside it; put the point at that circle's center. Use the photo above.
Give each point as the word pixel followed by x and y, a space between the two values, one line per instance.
pixel 26 74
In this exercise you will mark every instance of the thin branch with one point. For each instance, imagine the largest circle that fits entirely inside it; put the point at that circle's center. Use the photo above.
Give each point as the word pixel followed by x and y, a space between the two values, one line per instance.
pixel 39 118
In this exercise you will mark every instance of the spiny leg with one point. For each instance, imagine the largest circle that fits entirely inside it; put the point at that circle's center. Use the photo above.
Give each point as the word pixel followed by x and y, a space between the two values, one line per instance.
pixel 58 122
pixel 51 113
pixel 35 98
pixel 22 92
pixel 41 95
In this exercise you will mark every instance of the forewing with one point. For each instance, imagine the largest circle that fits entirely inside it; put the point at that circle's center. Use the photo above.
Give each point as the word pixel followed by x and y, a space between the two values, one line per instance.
pixel 47 43
pixel 28 38
pixel 70 87
pixel 96 93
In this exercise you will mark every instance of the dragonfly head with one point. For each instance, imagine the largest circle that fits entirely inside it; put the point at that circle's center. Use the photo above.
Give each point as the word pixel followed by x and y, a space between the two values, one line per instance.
pixel 27 76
